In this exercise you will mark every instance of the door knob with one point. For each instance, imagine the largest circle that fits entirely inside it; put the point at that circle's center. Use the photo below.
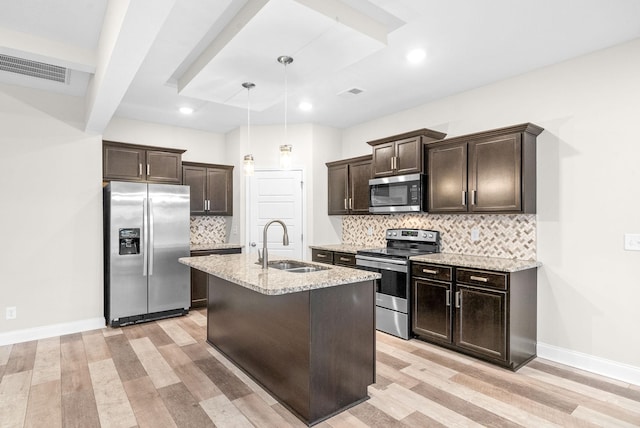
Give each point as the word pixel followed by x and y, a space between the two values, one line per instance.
pixel 253 244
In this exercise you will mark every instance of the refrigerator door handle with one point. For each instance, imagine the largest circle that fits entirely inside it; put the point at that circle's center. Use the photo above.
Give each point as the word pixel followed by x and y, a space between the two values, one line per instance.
pixel 150 237
pixel 145 237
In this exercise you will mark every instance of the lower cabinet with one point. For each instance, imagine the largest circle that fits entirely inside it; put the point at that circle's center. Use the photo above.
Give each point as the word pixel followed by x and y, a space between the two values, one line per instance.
pixel 487 314
pixel 333 257
pixel 199 278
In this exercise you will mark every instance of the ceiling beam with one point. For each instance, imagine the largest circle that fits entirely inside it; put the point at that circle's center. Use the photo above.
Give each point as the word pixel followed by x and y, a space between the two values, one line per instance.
pixel 128 32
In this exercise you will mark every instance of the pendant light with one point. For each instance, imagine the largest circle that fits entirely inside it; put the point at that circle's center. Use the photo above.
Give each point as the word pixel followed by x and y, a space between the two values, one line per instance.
pixel 285 149
pixel 248 159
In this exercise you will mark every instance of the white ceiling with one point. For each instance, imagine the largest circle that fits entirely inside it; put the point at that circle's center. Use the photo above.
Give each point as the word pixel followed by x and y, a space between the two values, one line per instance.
pixel 143 59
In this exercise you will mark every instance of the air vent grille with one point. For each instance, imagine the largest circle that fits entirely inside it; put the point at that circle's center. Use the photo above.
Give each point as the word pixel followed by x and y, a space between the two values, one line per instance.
pixel 35 69
pixel 351 92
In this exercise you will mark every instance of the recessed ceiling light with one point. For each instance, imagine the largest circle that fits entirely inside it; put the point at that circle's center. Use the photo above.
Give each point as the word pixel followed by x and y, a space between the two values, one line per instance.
pixel 186 110
pixel 416 55
pixel 305 106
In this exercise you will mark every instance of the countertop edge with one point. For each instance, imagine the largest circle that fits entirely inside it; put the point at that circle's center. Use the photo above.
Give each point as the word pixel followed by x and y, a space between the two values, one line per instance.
pixel 478 262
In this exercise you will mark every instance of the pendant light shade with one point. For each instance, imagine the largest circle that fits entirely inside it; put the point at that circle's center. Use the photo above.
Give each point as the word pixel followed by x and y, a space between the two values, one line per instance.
pixel 285 149
pixel 247 163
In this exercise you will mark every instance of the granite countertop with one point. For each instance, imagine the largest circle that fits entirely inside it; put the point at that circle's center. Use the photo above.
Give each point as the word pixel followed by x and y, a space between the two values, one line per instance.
pixel 342 248
pixel 478 262
pixel 243 270
pixel 213 246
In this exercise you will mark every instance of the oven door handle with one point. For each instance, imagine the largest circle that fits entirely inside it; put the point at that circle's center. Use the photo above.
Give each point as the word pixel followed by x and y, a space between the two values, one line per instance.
pixel 387 264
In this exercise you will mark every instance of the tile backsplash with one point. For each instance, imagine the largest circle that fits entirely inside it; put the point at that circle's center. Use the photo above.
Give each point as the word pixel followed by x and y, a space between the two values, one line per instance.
pixel 208 230
pixel 507 236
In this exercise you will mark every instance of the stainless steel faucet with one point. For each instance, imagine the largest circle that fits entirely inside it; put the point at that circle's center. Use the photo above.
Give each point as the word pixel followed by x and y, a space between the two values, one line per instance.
pixel 264 257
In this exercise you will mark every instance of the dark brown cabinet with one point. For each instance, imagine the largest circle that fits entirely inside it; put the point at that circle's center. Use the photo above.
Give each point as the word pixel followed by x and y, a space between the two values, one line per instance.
pixel 348 186
pixel 130 162
pixel 489 172
pixel 401 154
pixel 333 257
pixel 488 314
pixel 199 278
pixel 211 188
pixel 432 311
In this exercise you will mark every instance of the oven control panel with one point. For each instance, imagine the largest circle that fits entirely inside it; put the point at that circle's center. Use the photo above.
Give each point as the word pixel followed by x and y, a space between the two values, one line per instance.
pixel 413 235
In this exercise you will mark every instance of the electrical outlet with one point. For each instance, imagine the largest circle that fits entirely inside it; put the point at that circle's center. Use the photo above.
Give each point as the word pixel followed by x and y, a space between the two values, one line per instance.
pixel 370 231
pixel 475 234
pixel 632 241
pixel 11 312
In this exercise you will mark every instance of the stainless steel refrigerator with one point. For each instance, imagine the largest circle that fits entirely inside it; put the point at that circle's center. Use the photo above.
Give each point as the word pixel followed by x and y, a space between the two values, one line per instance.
pixel 146 230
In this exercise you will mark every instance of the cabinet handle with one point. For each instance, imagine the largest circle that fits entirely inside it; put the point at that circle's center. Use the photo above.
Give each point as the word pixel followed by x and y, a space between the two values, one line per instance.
pixel 448 298
pixel 345 204
pixel 344 259
pixel 458 299
pixel 140 170
pixel 391 162
pixel 321 256
pixel 464 197
pixel 478 278
pixel 432 272
pixel 148 170
pixel 473 197
pixel 350 203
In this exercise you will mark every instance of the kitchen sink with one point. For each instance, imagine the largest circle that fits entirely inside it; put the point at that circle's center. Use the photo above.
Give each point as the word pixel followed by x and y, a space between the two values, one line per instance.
pixel 296 266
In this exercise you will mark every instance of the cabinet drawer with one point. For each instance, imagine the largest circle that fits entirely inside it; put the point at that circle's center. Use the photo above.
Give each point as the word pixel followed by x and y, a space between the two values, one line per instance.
pixel 439 272
pixel 322 256
pixel 482 278
pixel 344 259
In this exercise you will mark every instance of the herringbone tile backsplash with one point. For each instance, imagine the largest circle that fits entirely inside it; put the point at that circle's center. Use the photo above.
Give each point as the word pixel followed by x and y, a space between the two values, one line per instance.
pixel 506 236
pixel 208 230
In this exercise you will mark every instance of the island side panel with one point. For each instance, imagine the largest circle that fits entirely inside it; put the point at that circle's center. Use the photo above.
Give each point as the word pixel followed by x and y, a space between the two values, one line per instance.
pixel 342 347
pixel 266 336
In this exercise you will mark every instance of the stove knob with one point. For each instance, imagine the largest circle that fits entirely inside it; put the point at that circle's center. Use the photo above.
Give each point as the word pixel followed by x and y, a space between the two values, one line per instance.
pixel 394 233
pixel 424 234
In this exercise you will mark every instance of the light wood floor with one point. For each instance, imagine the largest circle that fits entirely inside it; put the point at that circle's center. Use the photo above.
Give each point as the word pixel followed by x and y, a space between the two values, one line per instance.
pixel 163 374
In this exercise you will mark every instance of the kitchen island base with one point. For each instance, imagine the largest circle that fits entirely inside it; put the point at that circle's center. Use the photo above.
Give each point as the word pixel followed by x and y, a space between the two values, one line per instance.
pixel 313 350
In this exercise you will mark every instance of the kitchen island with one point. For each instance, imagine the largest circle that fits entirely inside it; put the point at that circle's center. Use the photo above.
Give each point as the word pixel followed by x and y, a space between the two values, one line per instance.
pixel 307 338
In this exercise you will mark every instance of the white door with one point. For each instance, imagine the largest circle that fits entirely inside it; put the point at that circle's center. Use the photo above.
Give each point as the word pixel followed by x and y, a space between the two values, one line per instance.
pixel 275 195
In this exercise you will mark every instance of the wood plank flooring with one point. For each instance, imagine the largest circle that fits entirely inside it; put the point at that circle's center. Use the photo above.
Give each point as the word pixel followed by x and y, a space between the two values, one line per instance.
pixel 163 374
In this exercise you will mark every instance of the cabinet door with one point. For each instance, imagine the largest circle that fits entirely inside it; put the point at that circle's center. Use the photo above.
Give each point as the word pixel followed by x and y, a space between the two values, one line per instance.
pixel 359 175
pixel 408 156
pixel 194 176
pixel 495 174
pixel 220 191
pixel 198 288
pixel 432 310
pixel 337 189
pixel 447 178
pixel 164 167
pixel 481 321
pixel 383 155
pixel 123 163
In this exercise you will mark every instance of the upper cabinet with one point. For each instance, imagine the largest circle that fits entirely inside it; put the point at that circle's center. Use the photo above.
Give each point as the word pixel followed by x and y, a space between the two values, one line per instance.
pixel 487 172
pixel 401 154
pixel 349 186
pixel 130 162
pixel 211 188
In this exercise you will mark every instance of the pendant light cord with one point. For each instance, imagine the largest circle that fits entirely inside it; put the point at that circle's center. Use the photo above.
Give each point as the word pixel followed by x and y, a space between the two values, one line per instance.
pixel 286 139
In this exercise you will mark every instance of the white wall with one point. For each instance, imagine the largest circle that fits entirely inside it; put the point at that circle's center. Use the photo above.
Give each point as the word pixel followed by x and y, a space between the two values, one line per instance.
pixel 51 215
pixel 588 287
pixel 200 146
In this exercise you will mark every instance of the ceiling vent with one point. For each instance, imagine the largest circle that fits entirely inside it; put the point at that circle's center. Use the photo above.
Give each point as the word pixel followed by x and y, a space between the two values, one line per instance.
pixel 351 92
pixel 39 70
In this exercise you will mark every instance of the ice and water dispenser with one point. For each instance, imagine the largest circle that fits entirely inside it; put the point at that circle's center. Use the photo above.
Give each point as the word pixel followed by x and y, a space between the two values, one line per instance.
pixel 129 241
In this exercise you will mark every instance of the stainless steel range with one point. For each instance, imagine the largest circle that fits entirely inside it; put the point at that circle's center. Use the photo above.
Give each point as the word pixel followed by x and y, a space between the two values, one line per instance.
pixel 393 290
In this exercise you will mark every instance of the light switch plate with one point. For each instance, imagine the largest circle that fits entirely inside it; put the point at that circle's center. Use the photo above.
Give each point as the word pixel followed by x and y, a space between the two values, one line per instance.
pixel 11 312
pixel 632 241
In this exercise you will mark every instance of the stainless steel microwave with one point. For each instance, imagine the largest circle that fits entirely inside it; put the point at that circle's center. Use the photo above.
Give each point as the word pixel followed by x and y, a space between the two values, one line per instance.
pixel 398 194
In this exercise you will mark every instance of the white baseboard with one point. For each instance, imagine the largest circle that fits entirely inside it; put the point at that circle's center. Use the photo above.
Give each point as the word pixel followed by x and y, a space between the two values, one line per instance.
pixel 601 366
pixel 44 332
